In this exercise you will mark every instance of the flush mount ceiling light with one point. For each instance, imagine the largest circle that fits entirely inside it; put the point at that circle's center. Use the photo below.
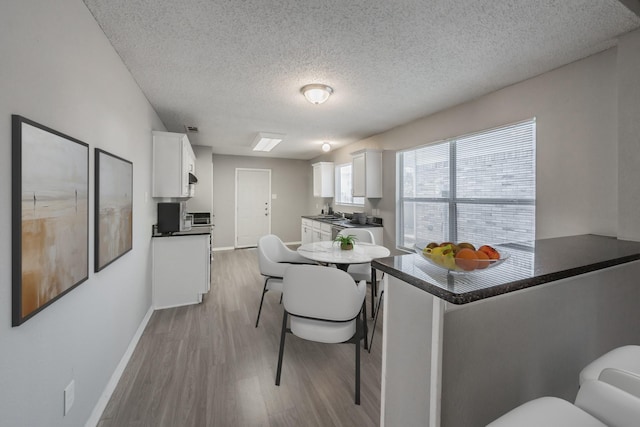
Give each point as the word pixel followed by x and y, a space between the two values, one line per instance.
pixel 326 147
pixel 316 93
pixel 266 141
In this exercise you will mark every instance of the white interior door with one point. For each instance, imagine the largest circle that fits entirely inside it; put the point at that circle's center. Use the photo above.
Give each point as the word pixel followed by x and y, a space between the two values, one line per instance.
pixel 253 206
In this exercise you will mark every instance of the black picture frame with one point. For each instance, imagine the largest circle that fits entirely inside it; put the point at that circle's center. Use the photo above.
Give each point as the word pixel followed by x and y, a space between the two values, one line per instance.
pixel 113 208
pixel 50 216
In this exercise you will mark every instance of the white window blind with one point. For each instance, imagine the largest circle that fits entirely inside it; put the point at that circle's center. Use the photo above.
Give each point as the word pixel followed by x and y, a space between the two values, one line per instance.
pixel 344 185
pixel 478 188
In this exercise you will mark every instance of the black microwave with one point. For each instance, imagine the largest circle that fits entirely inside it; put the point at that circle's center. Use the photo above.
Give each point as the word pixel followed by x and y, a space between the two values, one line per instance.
pixel 172 217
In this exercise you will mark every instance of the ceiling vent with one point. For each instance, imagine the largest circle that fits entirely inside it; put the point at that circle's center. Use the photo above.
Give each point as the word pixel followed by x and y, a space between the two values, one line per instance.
pixel 191 129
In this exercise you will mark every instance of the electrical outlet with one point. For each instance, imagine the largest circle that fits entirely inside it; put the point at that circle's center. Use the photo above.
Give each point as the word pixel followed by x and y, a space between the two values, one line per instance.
pixel 69 396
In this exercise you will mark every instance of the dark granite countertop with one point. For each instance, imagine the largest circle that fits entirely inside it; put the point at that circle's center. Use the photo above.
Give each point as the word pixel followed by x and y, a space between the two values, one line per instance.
pixel 199 231
pixel 346 223
pixel 541 262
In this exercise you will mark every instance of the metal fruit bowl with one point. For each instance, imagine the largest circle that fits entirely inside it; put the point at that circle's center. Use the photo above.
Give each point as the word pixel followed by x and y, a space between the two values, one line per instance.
pixel 450 265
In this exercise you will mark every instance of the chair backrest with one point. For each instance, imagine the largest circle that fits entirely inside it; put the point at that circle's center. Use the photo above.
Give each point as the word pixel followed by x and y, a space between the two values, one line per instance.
pixel 609 404
pixel 362 235
pixel 270 249
pixel 322 293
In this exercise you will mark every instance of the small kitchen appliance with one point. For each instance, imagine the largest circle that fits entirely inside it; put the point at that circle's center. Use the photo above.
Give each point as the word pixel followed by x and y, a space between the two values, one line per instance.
pixel 173 217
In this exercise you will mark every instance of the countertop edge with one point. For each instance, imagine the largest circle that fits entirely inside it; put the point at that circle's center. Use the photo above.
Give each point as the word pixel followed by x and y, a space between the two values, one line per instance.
pixel 468 297
pixel 182 234
pixel 349 225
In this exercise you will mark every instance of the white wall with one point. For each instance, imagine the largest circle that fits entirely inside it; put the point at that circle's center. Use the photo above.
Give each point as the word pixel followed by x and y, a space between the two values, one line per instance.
pixel 577 150
pixel 290 181
pixel 59 70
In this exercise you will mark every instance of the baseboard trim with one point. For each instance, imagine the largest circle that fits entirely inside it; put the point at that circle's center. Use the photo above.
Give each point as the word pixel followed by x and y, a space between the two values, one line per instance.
pixel 231 248
pixel 223 248
pixel 94 419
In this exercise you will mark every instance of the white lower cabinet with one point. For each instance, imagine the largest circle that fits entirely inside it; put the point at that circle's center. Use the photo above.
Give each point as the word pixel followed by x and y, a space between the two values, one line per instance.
pixel 181 270
pixel 321 231
pixel 307 231
pixel 316 231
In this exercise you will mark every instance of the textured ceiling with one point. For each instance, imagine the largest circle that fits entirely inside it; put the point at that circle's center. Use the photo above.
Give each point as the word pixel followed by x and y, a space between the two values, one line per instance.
pixel 235 67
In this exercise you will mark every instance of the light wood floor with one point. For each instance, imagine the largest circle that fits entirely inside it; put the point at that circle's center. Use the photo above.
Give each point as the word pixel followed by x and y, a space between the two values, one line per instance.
pixel 207 365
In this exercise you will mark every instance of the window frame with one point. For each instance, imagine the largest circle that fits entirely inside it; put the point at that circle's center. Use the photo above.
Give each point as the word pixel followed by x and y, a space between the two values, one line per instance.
pixel 452 201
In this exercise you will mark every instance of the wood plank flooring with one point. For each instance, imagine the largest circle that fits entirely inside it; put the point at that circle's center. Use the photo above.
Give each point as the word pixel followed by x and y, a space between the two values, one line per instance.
pixel 207 365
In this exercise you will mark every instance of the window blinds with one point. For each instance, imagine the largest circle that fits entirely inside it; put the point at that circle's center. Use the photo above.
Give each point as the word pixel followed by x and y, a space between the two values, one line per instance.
pixel 478 188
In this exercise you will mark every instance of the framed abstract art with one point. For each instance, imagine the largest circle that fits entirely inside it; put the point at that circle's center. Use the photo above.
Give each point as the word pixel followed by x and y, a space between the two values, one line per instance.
pixel 50 216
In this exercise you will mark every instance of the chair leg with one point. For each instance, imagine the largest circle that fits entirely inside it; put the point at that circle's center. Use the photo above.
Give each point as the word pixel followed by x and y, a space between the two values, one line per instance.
pixel 374 289
pixel 375 320
pixel 283 333
pixel 358 333
pixel 264 291
pixel 364 323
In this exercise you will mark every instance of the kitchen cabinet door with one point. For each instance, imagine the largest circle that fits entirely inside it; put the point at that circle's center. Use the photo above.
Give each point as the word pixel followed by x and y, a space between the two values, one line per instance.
pixel 307 231
pixel 173 159
pixel 181 271
pixel 323 179
pixel 366 173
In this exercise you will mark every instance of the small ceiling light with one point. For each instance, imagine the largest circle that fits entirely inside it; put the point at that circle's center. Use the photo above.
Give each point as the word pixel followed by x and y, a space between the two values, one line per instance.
pixel 326 147
pixel 266 141
pixel 316 93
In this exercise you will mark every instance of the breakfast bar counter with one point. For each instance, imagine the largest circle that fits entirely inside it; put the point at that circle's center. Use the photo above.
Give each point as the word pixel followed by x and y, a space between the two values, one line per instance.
pixel 462 349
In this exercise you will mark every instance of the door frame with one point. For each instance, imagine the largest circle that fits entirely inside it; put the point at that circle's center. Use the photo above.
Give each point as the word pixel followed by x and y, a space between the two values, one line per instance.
pixel 235 211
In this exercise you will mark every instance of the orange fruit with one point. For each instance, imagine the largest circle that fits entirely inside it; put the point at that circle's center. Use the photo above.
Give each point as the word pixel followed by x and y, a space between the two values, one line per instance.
pixel 466 259
pixel 483 259
pixel 491 252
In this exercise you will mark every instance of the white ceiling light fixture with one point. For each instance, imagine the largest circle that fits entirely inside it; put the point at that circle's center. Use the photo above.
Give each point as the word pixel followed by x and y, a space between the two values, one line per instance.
pixel 316 93
pixel 326 147
pixel 266 141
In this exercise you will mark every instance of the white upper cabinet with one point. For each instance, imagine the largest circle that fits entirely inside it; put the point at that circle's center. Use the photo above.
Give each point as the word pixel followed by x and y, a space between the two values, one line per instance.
pixel 173 161
pixel 367 173
pixel 323 178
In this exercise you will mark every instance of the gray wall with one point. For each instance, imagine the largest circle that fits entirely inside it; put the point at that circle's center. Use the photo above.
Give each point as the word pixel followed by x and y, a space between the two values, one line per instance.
pixel 203 200
pixel 58 69
pixel 290 181
pixel 629 136
pixel 577 144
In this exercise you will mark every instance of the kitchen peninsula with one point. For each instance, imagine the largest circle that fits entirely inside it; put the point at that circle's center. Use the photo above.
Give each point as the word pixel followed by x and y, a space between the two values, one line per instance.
pixel 467 348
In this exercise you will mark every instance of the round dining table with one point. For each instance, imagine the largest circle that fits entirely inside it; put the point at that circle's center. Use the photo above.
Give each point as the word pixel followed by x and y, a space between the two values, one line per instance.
pixel 329 252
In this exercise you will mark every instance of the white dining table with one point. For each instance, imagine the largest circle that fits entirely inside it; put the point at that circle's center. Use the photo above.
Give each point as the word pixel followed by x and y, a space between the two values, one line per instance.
pixel 329 252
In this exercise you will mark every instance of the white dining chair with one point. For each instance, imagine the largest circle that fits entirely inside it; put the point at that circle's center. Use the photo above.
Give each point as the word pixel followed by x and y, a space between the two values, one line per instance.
pixel 273 259
pixel 377 311
pixel 363 271
pixel 626 358
pixel 323 305
pixel 597 404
